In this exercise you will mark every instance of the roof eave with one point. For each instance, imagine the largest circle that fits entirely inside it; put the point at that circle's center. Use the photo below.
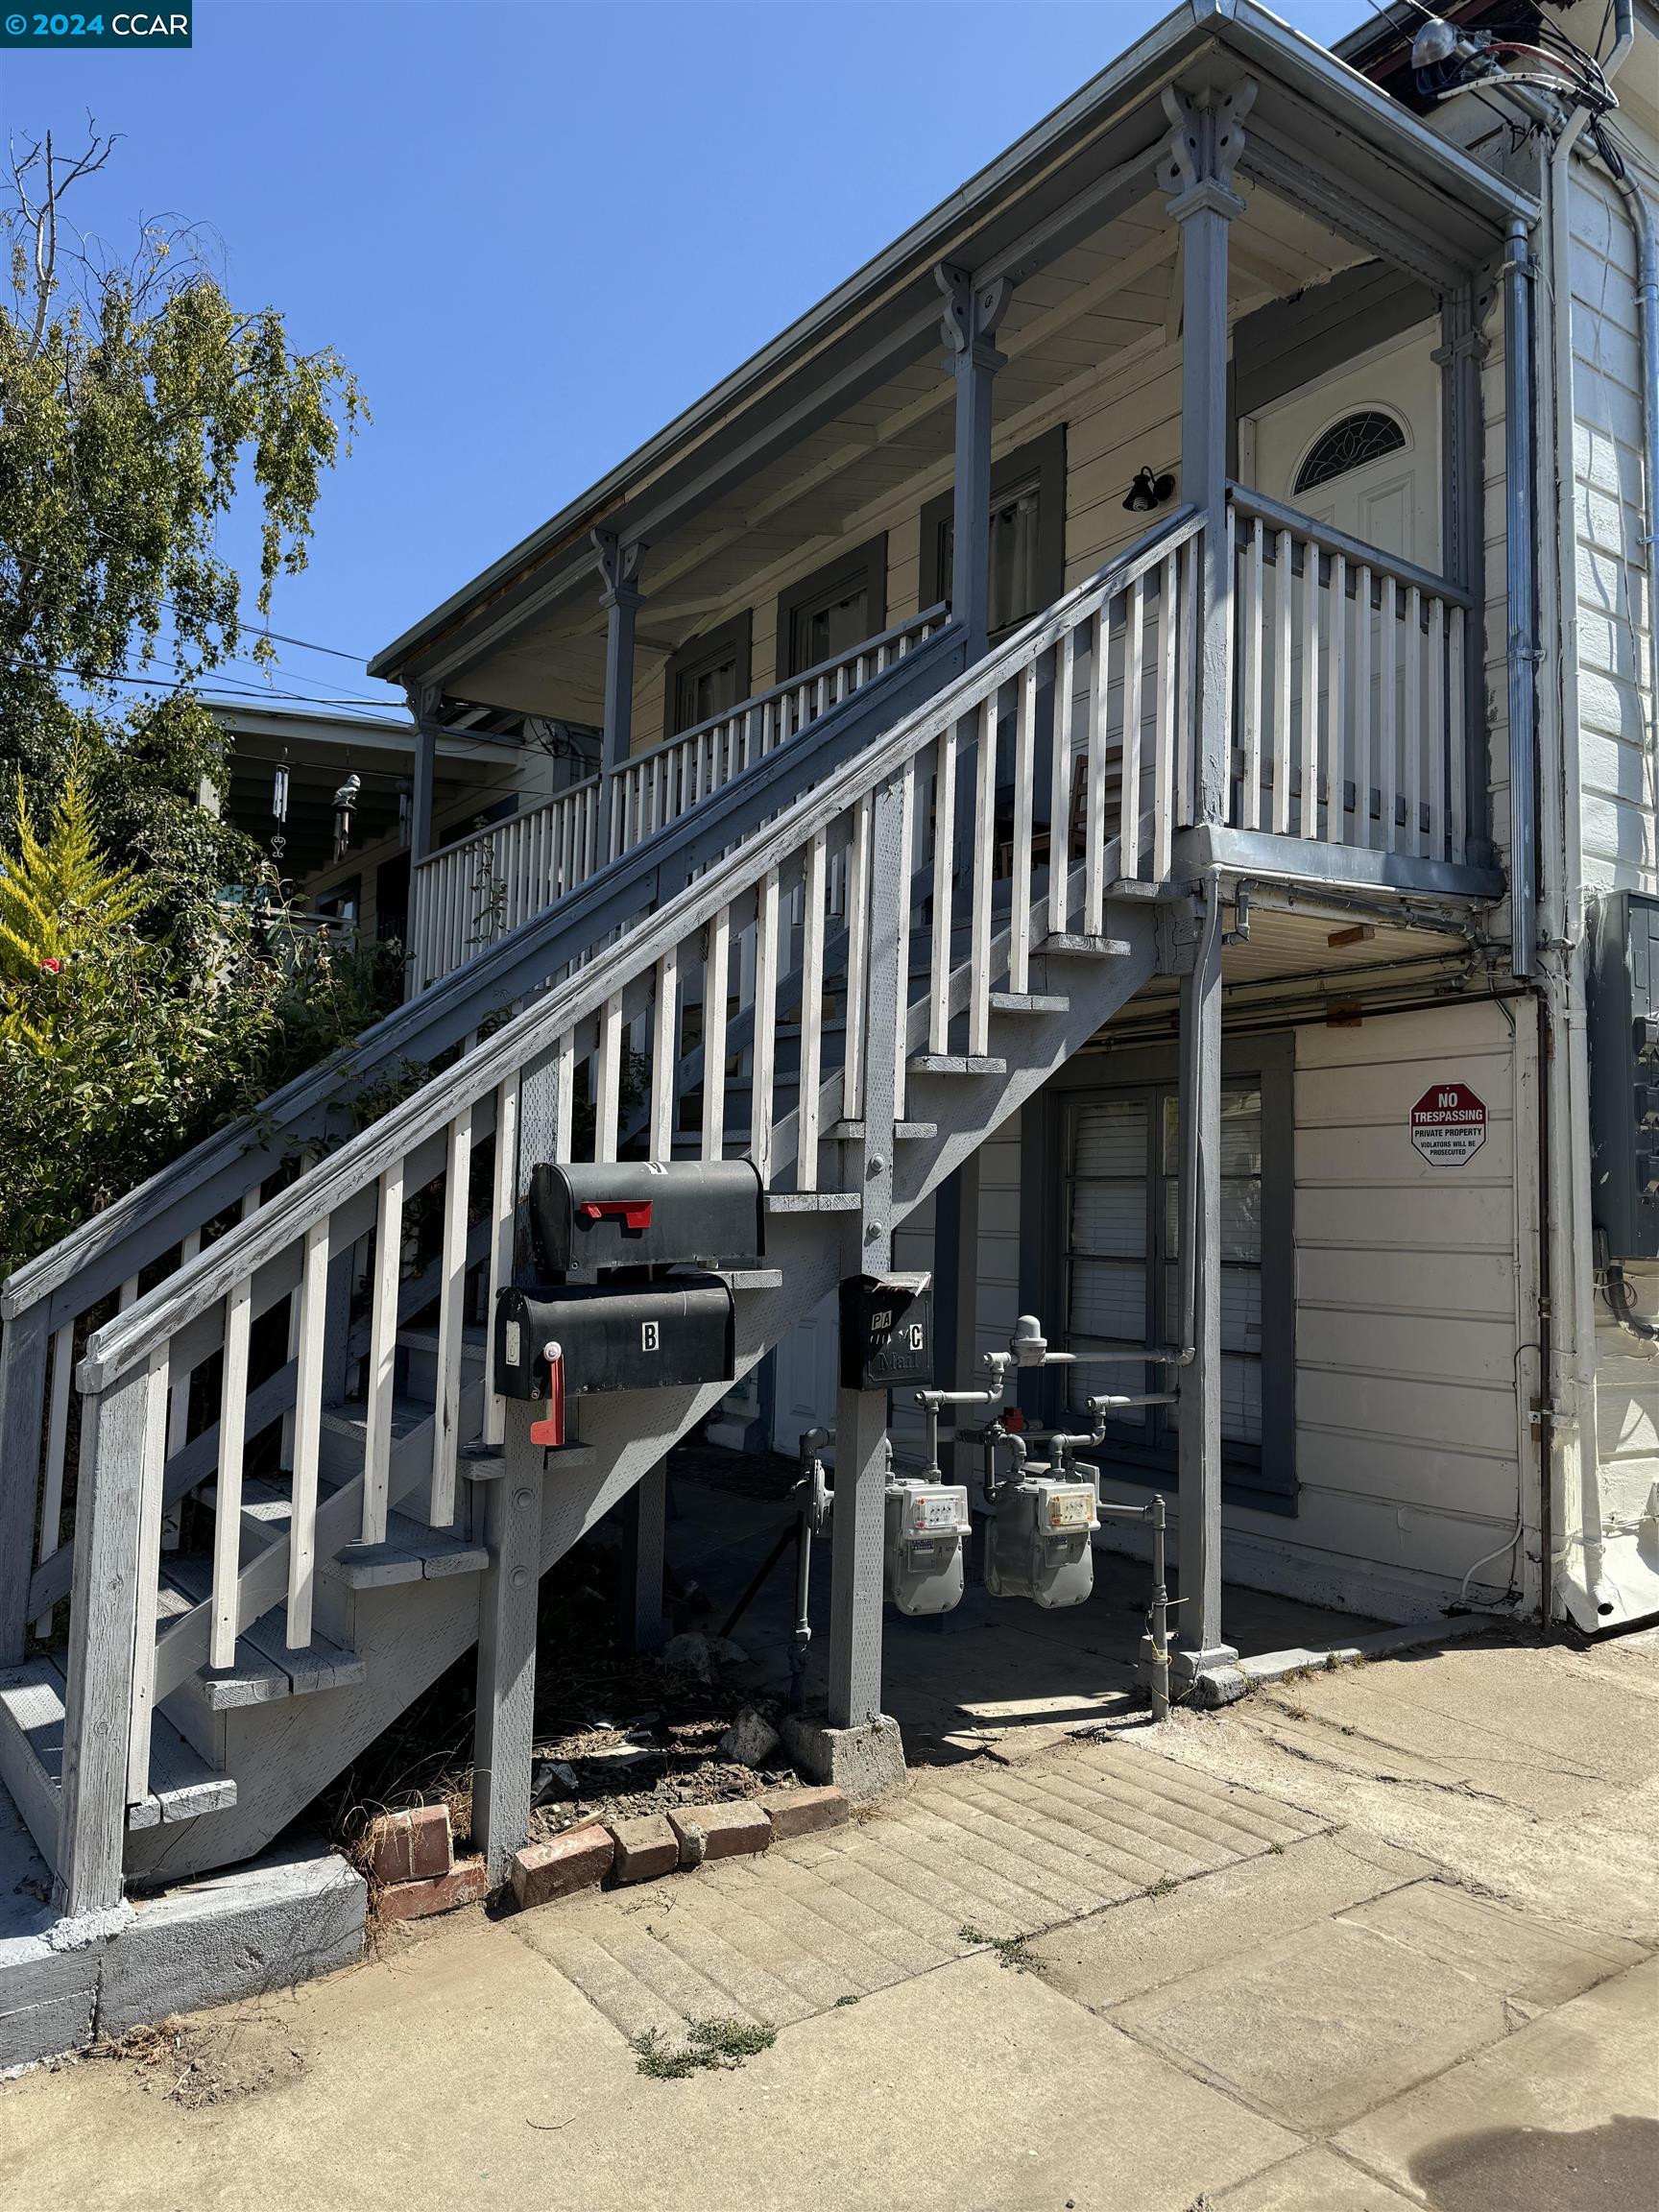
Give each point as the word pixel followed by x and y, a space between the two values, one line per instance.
pixel 1257 37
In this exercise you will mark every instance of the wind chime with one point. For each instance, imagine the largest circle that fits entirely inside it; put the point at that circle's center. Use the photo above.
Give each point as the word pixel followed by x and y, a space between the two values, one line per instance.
pixel 345 808
pixel 279 809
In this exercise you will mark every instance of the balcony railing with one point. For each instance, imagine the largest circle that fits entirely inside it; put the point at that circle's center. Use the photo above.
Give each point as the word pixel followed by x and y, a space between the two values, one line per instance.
pixel 476 889
pixel 1349 690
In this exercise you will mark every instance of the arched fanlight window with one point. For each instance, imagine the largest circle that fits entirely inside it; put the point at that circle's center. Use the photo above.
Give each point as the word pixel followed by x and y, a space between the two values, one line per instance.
pixel 1361 437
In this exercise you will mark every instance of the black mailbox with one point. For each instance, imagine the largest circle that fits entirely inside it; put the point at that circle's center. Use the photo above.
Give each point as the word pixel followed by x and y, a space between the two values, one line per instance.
pixel 644 1336
pixel 647 1214
pixel 886 1332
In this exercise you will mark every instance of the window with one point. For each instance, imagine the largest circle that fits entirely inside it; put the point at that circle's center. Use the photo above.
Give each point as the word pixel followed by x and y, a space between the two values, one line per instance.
pixel 707 676
pixel 1027 534
pixel 1361 437
pixel 833 611
pixel 1116 1279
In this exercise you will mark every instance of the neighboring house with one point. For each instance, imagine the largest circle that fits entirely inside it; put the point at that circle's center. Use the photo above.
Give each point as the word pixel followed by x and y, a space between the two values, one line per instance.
pixel 289 765
pixel 1107 797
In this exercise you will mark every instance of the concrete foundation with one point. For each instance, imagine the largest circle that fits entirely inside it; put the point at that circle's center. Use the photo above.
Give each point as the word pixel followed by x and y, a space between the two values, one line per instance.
pixel 285 1918
pixel 864 1763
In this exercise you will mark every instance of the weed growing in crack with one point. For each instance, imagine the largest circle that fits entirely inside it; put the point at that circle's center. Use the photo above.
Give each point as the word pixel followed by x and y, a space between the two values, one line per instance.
pixel 716 2045
pixel 1011 1950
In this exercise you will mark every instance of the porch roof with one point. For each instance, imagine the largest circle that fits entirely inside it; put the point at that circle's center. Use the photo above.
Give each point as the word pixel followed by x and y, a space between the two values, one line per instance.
pixel 1319 131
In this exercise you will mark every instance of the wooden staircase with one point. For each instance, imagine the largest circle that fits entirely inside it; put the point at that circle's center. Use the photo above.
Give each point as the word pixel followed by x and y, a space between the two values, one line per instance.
pixel 199 1701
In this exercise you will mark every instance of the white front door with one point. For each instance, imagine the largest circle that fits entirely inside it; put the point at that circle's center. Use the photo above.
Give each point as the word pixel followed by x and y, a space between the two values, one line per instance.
pixel 1359 449
pixel 805 1377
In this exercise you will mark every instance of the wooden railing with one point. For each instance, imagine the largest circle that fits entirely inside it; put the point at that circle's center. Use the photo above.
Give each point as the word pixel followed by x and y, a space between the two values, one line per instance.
pixel 473 891
pixel 1349 690
pixel 654 788
pixel 477 888
pixel 866 828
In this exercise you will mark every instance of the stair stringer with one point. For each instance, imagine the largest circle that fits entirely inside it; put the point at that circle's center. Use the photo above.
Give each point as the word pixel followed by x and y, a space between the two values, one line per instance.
pixel 283 1755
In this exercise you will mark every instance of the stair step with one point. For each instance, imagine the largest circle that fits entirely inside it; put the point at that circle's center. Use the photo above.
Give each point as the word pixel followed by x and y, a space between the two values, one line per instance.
pixel 427 1340
pixel 412 1553
pixel 956 1064
pixel 1029 1003
pixel 351 1418
pixel 263 1670
pixel 813 1201
pixel 183 1786
pixel 1086 947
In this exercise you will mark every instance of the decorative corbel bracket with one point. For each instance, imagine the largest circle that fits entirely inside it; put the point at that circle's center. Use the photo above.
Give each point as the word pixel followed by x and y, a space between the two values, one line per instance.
pixel 426 702
pixel 618 568
pixel 972 316
pixel 1205 143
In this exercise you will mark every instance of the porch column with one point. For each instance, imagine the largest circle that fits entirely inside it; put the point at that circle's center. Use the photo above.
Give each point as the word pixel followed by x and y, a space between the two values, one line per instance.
pixel 1198 1636
pixel 427 706
pixel 1204 143
pixel 971 315
pixel 860 1749
pixel 620 598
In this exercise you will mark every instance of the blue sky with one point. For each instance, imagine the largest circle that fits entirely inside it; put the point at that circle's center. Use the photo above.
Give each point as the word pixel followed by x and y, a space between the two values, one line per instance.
pixel 537 230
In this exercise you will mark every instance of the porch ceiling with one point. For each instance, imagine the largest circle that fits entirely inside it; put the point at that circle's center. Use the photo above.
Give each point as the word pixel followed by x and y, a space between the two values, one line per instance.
pixel 1288 971
pixel 1109 300
pixel 1325 142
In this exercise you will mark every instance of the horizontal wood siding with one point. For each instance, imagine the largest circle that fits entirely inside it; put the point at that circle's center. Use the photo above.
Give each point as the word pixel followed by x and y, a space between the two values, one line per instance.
pixel 1619 807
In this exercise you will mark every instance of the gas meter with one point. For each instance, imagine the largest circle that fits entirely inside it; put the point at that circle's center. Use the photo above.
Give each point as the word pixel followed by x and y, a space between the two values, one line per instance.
pixel 1039 1541
pixel 927 1529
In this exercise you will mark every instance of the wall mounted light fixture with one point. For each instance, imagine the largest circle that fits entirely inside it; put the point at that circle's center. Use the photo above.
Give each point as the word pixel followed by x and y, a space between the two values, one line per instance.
pixel 1148 491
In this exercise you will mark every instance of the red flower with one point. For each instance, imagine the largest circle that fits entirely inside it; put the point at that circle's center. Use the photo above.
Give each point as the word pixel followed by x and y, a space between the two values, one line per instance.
pixel 51 966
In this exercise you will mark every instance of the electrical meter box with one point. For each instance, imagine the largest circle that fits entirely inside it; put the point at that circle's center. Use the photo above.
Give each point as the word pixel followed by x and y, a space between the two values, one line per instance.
pixel 927 1529
pixel 1624 1076
pixel 646 1213
pixel 643 1336
pixel 886 1332
pixel 1039 1543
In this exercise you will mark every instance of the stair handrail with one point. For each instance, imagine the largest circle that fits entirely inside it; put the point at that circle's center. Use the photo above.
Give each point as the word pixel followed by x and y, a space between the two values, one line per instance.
pixel 152 1320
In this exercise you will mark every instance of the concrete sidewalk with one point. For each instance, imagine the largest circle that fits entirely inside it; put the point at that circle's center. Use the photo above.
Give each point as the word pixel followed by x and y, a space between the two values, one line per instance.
pixel 1374 1939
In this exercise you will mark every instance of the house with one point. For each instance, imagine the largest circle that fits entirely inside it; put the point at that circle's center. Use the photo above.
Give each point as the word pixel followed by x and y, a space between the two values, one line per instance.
pixel 1126 782
pixel 288 765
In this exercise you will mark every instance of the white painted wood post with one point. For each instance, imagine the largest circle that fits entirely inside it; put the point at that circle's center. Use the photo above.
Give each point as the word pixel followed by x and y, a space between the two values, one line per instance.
pixel 104 1612
pixel 23 1354
pixel 313 1305
pixel 861 1419
pixel 228 1488
pixel 380 1379
pixel 504 1718
pixel 1199 1442
pixel 452 1314
pixel 811 1015
pixel 147 1569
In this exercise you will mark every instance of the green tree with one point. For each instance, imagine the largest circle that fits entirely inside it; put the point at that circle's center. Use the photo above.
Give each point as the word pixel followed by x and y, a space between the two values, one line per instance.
pixel 145 999
pixel 136 403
